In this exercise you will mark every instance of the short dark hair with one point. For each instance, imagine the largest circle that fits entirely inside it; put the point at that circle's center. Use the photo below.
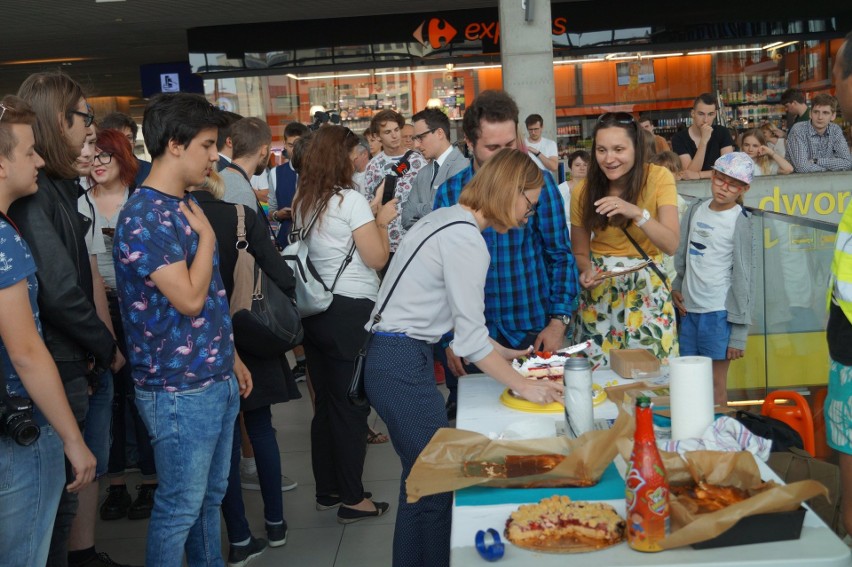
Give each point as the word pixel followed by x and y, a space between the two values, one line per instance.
pixel 824 99
pixel 179 117
pixel 299 149
pixel 248 135
pixel 644 117
pixel 295 129
pixel 845 56
pixel 17 111
pixel 705 98
pixel 119 121
pixel 792 95
pixel 491 106
pixel 435 119
pixel 532 119
pixel 228 118
pixel 386 115
pixel 581 154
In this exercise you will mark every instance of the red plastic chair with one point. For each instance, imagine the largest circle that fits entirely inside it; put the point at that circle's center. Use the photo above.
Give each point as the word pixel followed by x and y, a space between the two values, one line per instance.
pixel 796 414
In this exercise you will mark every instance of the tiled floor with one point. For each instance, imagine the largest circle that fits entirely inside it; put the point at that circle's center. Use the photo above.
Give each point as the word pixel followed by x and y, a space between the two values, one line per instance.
pixel 315 539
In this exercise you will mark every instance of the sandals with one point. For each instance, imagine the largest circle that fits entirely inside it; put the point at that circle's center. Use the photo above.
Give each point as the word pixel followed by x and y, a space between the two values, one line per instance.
pixel 349 515
pixel 376 437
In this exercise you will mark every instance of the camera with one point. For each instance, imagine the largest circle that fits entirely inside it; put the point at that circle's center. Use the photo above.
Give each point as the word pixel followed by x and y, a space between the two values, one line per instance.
pixel 16 420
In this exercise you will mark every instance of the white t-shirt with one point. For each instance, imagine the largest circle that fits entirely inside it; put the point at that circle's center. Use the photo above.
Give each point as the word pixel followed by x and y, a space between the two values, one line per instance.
pixel 565 191
pixel 709 260
pixel 547 148
pixel 330 240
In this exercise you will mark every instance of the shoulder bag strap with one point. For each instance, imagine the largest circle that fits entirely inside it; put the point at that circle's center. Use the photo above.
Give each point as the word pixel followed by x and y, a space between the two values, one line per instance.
pixel 244 269
pixel 651 263
pixel 378 316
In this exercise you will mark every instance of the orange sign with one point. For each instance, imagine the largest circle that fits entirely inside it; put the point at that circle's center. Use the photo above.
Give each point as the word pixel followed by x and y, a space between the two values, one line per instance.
pixel 438 30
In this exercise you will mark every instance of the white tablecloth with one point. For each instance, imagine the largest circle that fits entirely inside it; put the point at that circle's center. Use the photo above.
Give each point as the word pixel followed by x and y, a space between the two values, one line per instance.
pixel 480 410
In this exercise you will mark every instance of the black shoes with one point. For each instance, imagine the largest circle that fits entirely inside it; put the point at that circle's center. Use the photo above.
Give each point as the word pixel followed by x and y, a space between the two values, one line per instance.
pixel 240 555
pixel 116 504
pixel 349 515
pixel 333 501
pixel 451 410
pixel 141 507
pixel 277 534
pixel 99 560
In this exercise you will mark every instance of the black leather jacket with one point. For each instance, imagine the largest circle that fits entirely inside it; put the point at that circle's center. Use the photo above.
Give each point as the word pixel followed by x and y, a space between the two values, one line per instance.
pixel 54 230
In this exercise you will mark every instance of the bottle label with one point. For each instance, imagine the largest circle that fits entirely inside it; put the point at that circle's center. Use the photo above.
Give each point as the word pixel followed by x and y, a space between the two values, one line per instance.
pixel 647 499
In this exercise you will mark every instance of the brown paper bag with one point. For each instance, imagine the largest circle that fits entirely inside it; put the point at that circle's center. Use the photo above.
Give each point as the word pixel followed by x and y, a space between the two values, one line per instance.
pixel 440 466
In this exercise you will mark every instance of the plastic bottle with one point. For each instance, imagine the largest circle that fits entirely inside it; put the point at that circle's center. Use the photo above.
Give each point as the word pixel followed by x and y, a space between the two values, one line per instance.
pixel 646 487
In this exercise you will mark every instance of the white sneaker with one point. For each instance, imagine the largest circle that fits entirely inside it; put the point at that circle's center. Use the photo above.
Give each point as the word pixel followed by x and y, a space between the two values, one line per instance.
pixel 250 481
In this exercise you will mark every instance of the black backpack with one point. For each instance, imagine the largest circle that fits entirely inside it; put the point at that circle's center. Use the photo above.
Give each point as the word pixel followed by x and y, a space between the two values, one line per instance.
pixel 783 436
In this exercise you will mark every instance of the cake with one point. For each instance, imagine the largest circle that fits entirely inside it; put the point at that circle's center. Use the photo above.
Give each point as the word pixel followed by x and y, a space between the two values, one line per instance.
pixel 541 365
pixel 513 466
pixel 558 518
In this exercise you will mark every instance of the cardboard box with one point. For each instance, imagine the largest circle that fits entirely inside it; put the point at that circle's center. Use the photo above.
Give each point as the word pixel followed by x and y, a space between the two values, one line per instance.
pixel 634 363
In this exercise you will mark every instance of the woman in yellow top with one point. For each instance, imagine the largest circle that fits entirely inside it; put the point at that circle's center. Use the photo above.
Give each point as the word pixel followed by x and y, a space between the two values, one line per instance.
pixel 623 193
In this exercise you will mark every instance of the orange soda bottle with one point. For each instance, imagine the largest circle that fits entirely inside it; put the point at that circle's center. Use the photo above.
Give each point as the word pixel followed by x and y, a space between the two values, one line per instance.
pixel 646 487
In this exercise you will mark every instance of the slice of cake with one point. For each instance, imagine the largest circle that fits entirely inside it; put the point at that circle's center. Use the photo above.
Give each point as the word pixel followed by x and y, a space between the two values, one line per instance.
pixel 558 518
pixel 541 365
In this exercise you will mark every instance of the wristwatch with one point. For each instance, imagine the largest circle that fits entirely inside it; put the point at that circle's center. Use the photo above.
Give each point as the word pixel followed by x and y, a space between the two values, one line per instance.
pixel 564 319
pixel 646 216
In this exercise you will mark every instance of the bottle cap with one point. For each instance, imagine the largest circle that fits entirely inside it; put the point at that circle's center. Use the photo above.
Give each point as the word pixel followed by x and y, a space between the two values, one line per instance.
pixel 643 402
pixel 578 364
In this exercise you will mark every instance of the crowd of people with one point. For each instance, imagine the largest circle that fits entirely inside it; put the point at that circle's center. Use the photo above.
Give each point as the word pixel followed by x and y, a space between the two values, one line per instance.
pixel 118 283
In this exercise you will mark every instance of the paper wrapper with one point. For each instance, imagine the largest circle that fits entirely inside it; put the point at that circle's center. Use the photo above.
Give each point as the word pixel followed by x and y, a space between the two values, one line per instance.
pixel 440 466
pixel 729 469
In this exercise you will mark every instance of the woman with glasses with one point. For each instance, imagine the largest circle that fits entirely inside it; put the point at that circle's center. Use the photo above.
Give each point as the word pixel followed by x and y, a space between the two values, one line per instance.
pixel 333 337
pixel 443 289
pixel 111 177
pixel 624 211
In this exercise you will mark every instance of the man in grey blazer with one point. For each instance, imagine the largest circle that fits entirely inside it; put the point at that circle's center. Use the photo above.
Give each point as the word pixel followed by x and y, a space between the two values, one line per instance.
pixel 432 139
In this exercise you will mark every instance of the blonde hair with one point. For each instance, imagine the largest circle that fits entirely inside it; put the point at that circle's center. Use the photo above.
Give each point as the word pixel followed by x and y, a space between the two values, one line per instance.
pixel 214 184
pixel 667 159
pixel 764 162
pixel 494 189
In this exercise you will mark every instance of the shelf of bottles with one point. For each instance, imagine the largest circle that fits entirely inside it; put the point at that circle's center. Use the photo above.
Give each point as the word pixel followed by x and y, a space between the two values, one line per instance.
pixel 749 101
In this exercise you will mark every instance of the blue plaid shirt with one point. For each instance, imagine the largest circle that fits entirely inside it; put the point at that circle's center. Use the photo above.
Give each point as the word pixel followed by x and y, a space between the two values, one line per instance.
pixel 532 274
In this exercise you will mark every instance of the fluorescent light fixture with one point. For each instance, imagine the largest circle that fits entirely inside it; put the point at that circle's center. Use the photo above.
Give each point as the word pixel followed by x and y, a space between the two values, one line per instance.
pixel 43 61
pixel 333 76
pixel 656 55
pixel 621 57
pixel 413 71
pixel 479 67
pixel 771 45
pixel 580 61
pixel 736 50
pixel 789 43
pixel 292 76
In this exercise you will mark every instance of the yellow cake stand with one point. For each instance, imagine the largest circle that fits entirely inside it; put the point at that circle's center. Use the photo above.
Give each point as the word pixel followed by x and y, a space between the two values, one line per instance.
pixel 520 404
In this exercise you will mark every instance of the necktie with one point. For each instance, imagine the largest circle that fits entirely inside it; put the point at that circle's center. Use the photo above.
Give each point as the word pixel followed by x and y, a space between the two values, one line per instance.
pixel 435 168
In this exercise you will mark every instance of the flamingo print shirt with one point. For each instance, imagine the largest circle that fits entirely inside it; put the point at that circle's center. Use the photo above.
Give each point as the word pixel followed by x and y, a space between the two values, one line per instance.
pixel 167 350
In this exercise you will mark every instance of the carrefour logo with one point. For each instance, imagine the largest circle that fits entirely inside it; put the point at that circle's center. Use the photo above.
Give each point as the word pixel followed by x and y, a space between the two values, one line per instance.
pixel 437 30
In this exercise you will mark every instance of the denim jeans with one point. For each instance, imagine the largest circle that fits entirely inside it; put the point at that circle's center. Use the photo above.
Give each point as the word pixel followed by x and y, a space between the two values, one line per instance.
pixel 31 480
pixel 192 433
pixel 98 420
pixel 267 455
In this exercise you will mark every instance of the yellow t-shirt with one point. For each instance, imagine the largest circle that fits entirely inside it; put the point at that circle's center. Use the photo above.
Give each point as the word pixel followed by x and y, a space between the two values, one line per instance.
pixel 659 190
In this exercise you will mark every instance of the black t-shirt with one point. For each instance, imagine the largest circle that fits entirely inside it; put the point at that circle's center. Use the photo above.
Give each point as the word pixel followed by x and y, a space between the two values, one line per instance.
pixel 682 144
pixel 839 335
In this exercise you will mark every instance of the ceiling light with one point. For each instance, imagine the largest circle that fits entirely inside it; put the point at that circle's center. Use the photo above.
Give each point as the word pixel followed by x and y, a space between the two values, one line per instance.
pixel 621 57
pixel 789 43
pixel 292 76
pixel 43 61
pixel 571 61
pixel 655 55
pixel 771 45
pixel 714 51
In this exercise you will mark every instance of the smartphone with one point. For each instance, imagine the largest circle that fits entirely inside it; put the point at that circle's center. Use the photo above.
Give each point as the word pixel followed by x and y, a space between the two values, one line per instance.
pixel 390 189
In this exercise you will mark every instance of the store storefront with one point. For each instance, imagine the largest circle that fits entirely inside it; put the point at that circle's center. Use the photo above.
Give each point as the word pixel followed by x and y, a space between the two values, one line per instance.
pixel 647 63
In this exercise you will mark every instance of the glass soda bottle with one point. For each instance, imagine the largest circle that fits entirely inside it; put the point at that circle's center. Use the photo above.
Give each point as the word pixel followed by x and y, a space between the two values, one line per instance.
pixel 646 488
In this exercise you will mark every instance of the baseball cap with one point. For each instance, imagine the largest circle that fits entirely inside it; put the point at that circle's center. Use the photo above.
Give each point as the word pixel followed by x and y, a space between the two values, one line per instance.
pixel 737 165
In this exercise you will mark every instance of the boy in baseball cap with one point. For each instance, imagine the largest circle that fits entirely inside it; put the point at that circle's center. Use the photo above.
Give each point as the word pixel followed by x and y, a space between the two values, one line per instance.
pixel 714 289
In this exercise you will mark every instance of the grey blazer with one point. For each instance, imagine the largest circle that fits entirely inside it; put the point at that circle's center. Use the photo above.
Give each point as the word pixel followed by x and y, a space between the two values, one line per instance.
pixel 422 196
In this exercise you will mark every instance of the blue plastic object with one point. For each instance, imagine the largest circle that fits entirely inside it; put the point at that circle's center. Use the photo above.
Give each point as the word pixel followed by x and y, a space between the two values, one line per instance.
pixel 493 550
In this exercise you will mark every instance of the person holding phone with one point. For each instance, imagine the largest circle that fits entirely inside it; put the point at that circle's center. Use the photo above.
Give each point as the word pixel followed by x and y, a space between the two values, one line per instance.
pixel 700 145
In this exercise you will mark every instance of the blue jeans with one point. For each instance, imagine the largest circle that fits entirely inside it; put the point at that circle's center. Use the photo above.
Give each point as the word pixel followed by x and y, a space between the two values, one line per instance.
pixel 192 434
pixel 31 480
pixel 98 419
pixel 267 456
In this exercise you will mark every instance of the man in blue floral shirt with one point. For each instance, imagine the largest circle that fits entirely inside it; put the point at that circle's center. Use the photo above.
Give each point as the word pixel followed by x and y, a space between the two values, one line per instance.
pixel 175 313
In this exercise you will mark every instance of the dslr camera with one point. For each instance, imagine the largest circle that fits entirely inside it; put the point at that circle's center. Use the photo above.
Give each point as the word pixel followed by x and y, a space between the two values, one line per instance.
pixel 16 420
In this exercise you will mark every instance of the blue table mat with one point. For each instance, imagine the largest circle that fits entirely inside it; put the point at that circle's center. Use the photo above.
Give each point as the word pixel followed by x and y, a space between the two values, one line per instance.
pixel 610 487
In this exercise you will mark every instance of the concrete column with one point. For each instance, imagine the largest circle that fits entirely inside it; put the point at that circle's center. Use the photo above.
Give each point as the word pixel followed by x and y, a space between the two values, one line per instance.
pixel 526 52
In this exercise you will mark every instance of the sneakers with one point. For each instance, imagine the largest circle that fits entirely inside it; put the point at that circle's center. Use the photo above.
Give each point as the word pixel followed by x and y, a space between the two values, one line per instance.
pixel 300 371
pixel 277 534
pixel 333 501
pixel 116 504
pixel 250 481
pixel 144 503
pixel 239 555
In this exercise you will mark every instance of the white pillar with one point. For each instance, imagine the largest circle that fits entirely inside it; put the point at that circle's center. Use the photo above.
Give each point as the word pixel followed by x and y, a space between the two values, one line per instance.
pixel 526 52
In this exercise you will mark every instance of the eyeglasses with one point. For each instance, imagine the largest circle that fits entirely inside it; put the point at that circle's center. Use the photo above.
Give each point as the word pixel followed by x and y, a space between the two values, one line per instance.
pixel 624 118
pixel 532 208
pixel 722 181
pixel 419 137
pixel 104 158
pixel 88 117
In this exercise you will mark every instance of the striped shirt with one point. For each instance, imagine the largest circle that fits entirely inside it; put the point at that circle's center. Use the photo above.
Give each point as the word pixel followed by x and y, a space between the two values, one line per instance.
pixel 532 274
